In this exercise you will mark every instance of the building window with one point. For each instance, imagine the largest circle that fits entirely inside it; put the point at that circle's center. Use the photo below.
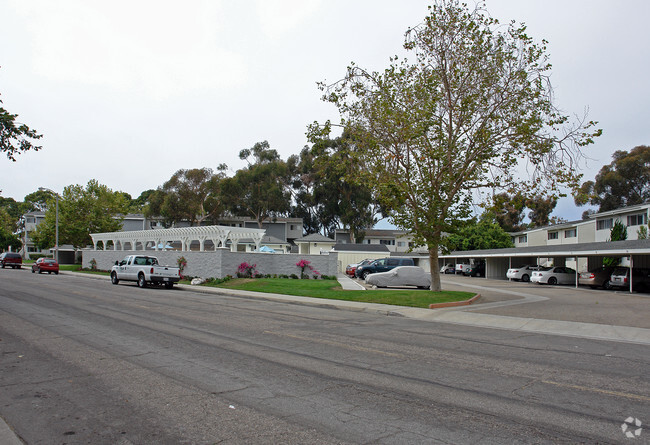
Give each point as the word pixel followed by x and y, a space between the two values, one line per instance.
pixel 292 227
pixel 400 244
pixel 388 242
pixel 553 235
pixel 571 233
pixel 636 220
pixel 604 224
pixel 522 239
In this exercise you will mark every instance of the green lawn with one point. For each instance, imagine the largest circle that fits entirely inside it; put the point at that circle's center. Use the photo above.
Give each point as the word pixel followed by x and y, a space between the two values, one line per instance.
pixel 332 290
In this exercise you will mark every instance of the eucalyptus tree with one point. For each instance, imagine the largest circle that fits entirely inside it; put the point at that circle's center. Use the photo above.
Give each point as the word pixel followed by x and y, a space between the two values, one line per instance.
pixel 192 195
pixel 474 109
pixel 623 182
pixel 261 189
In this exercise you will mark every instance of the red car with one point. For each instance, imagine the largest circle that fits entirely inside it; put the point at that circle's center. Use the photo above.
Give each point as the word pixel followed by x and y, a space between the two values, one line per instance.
pixel 48 265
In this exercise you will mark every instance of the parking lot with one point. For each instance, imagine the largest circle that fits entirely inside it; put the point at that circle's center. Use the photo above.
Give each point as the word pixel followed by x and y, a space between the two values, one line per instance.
pixel 556 302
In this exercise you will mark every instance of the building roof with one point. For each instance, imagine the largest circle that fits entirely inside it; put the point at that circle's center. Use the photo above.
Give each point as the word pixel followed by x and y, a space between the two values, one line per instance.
pixel 350 247
pixel 620 210
pixel 604 248
pixel 314 238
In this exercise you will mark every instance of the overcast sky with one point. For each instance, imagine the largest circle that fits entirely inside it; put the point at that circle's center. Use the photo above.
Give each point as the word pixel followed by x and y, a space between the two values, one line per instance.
pixel 128 92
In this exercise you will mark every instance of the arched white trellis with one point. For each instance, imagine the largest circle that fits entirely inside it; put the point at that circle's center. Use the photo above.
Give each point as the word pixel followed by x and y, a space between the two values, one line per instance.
pixel 219 235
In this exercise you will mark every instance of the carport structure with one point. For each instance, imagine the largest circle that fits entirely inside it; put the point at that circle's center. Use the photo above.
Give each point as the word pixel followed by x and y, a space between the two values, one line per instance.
pixel 156 239
pixel 498 261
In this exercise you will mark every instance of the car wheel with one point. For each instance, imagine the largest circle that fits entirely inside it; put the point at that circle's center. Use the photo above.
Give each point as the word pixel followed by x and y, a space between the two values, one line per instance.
pixel 33 271
pixel 169 285
pixel 56 273
pixel 114 279
pixel 607 285
pixel 552 280
pixel 365 274
pixel 525 278
pixel 141 281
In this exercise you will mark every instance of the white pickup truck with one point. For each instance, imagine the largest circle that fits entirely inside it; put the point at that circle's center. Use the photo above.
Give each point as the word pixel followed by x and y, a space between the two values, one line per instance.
pixel 144 269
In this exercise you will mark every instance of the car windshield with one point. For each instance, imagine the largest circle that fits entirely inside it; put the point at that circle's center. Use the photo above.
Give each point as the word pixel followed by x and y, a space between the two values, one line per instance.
pixel 544 269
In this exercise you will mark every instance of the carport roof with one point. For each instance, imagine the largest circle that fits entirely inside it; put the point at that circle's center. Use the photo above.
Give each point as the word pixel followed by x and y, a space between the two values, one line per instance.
pixel 611 248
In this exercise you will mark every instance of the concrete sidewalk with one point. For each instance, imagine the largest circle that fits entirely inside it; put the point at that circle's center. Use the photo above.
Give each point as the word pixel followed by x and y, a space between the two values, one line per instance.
pixel 517 304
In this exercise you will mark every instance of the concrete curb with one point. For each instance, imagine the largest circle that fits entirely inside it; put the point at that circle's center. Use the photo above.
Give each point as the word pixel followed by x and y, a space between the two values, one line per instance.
pixel 455 303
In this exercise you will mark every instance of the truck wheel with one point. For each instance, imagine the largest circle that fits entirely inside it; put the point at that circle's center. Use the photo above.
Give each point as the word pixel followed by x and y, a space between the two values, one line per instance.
pixel 169 284
pixel 114 279
pixel 141 281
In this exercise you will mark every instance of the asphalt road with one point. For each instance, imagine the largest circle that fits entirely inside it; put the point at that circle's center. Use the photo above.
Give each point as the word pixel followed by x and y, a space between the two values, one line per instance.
pixel 83 361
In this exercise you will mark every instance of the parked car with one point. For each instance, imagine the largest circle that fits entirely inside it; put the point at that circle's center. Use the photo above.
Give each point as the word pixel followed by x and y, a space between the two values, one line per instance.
pixel 522 273
pixel 11 259
pixel 448 268
pixel 48 265
pixel 475 270
pixel 401 276
pixel 460 268
pixel 352 268
pixel 620 279
pixel 599 277
pixel 382 265
pixel 554 275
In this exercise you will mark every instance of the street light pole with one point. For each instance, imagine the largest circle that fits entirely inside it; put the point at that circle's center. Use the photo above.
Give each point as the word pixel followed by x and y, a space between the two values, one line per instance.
pixel 56 226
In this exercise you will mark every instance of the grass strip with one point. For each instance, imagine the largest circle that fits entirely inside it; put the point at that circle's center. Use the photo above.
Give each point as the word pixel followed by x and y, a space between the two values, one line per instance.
pixel 331 289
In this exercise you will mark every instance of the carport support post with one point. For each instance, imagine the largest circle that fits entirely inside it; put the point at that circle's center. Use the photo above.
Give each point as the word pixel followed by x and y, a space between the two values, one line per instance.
pixel 631 271
pixel 509 266
pixel 576 271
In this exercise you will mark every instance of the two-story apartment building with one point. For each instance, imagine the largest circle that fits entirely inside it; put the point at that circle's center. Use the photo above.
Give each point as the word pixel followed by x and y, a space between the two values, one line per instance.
pixel 397 241
pixel 633 217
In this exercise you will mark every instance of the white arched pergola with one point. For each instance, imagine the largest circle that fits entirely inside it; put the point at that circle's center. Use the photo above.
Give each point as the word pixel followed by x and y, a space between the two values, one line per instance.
pixel 219 235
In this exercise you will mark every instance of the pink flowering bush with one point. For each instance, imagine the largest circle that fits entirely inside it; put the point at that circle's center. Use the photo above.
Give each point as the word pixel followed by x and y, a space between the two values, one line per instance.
pixel 306 265
pixel 246 270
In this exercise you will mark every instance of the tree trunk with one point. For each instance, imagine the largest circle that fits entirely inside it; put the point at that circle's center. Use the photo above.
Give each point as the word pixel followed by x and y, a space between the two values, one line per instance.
pixel 435 270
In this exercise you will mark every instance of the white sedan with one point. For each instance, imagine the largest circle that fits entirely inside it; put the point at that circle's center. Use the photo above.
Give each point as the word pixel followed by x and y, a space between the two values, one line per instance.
pixel 522 273
pixel 554 275
pixel 401 276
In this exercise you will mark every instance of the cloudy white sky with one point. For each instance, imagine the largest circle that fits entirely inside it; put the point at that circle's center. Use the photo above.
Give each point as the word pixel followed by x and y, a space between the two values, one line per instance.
pixel 128 92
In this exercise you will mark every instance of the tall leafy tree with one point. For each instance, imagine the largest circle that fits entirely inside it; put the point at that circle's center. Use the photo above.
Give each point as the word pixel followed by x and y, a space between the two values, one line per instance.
pixel 94 208
pixel 16 137
pixel 473 107
pixel 38 200
pixel 189 195
pixel 623 182
pixel 509 211
pixel 482 234
pixel 345 203
pixel 541 208
pixel 260 190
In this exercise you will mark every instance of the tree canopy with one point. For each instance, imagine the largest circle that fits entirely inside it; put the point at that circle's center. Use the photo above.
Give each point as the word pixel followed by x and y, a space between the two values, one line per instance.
pixel 261 190
pixel 482 234
pixel 189 195
pixel 82 211
pixel 15 137
pixel 623 182
pixel 472 110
